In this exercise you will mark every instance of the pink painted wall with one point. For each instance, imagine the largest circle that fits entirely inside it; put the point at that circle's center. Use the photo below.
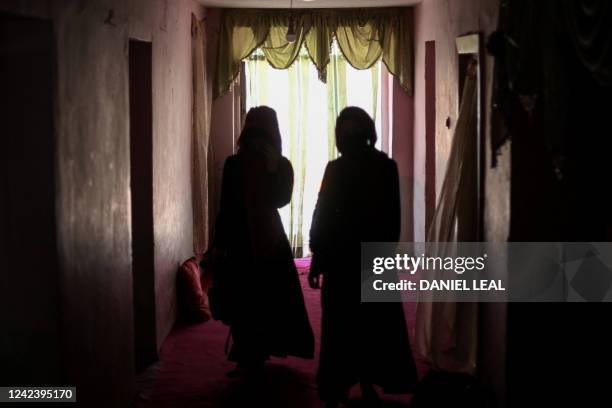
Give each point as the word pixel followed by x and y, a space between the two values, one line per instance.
pixel 403 153
pixel 423 31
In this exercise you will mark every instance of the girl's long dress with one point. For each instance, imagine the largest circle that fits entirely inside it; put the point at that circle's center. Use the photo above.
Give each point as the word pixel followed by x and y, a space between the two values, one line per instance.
pixel 270 317
pixel 361 342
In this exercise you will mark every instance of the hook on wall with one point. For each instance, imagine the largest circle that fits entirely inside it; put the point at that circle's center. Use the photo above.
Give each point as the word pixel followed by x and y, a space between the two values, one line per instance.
pixel 110 18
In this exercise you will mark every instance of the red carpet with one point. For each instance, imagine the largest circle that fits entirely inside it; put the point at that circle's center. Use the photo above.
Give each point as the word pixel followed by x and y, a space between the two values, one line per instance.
pixel 192 368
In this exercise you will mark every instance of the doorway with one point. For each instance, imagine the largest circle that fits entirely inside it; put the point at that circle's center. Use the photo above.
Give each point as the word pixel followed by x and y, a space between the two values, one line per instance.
pixel 29 281
pixel 141 184
pixel 470 60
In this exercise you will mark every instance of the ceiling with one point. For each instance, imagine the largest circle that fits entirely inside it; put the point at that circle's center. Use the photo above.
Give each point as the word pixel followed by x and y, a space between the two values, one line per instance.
pixel 306 3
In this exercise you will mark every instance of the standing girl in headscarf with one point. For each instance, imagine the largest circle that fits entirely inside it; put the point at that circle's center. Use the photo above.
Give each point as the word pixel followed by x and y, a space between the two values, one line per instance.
pixel 263 302
pixel 359 201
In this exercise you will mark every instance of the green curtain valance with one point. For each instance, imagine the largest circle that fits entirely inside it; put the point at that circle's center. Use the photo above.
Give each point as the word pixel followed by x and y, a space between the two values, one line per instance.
pixel 363 36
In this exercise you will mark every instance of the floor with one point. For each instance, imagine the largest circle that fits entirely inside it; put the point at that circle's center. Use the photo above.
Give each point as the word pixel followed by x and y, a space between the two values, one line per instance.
pixel 192 367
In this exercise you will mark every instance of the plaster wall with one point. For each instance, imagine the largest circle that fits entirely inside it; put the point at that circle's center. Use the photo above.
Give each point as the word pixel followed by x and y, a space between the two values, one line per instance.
pixel 93 178
pixel 442 21
pixel 403 154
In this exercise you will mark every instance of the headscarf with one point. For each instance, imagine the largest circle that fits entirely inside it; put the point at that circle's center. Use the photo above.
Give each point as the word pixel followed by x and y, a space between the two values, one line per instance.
pixel 263 118
pixel 355 131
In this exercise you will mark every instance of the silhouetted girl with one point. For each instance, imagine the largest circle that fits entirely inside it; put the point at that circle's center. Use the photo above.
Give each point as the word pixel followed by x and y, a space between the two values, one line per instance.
pixel 358 202
pixel 266 311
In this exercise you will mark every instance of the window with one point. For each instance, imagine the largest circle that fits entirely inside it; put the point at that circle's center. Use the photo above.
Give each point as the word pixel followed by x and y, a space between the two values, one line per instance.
pixel 307 109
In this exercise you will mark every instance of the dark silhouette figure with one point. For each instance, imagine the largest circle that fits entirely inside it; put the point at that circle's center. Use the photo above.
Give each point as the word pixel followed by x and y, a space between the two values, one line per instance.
pixel 358 202
pixel 260 286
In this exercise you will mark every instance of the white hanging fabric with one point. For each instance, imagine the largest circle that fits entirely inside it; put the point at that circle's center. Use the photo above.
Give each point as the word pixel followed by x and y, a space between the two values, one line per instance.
pixel 201 134
pixel 446 332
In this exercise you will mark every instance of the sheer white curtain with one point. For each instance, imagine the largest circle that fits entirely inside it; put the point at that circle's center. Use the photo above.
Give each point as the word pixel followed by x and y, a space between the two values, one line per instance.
pixel 201 137
pixel 306 110
pixel 446 332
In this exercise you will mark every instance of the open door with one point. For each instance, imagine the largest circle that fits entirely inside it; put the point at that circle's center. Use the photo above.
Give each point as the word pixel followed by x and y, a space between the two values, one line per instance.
pixel 470 54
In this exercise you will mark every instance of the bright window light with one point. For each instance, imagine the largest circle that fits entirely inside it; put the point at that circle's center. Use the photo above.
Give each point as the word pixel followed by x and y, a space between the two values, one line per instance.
pixel 306 109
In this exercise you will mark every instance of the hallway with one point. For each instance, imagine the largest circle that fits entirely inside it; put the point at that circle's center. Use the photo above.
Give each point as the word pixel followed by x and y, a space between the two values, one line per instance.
pixel 119 116
pixel 192 367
